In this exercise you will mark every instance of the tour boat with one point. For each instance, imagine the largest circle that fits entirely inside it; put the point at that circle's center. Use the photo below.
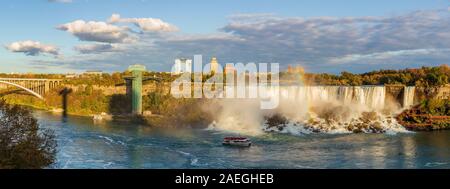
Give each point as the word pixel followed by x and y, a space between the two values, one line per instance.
pixel 237 141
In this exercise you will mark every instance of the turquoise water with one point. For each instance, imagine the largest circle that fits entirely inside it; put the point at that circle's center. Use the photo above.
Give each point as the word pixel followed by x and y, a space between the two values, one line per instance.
pixel 83 144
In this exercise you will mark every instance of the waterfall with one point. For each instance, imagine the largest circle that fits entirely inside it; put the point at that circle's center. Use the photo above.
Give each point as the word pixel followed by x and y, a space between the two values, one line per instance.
pixel 307 109
pixel 408 96
pixel 371 96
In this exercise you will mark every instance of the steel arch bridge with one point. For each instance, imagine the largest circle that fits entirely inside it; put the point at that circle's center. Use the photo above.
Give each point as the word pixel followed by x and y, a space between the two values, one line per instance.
pixel 36 87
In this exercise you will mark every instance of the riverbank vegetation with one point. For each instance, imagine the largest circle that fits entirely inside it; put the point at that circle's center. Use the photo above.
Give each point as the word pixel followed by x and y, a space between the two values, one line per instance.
pixel 430 114
pixel 23 145
pixel 420 77
pixel 83 101
pixel 178 111
pixel 115 78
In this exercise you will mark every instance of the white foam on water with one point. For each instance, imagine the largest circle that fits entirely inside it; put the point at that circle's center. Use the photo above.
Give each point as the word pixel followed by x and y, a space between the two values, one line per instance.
pixel 194 162
pixel 108 165
pixel 112 141
pixel 107 138
pixel 184 153
pixel 435 164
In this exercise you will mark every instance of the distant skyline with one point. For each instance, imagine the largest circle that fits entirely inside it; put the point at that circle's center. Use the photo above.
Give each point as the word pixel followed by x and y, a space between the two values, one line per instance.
pixel 59 36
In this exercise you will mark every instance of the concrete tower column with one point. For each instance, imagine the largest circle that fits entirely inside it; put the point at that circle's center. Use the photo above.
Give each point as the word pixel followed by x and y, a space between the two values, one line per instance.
pixel 136 93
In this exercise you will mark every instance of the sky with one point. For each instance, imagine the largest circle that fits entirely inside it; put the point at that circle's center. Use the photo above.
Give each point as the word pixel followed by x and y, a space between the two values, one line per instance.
pixel 61 36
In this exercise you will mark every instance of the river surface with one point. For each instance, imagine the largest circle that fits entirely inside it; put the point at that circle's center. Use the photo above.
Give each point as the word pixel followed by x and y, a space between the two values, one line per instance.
pixel 83 144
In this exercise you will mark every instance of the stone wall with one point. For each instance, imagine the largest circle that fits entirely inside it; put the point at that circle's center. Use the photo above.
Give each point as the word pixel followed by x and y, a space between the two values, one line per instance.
pixel 443 92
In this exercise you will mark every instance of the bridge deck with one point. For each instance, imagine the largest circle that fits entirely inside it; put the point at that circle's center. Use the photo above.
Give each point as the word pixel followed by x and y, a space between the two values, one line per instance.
pixel 30 79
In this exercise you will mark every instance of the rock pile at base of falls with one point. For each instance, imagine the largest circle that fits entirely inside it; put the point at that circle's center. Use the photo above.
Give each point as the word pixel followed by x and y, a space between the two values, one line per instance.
pixel 367 122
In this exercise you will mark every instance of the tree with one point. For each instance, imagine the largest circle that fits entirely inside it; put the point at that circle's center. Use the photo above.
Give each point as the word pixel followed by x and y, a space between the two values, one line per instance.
pixel 23 145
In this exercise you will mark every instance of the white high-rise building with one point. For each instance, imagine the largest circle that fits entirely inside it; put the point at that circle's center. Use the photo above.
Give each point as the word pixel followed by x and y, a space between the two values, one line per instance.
pixel 182 65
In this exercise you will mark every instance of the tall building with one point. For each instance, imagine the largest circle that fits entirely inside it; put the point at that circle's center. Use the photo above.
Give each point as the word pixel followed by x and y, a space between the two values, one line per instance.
pixel 297 69
pixel 215 66
pixel 229 69
pixel 182 65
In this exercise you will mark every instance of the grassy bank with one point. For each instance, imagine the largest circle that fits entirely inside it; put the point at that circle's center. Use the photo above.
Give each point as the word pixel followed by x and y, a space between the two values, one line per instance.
pixel 83 102
pixel 86 101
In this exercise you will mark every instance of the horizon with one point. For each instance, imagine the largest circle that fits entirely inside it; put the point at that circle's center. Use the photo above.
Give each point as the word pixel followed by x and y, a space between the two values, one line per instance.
pixel 72 36
pixel 151 71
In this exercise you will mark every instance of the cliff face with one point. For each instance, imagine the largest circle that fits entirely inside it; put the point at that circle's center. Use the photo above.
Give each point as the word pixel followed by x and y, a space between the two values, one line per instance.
pixel 395 93
pixel 442 92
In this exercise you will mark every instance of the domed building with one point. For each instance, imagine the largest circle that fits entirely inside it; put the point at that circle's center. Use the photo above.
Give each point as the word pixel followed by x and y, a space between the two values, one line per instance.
pixel 215 67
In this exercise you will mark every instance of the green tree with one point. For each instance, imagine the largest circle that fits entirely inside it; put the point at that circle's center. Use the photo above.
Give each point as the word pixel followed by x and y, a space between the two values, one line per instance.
pixel 22 144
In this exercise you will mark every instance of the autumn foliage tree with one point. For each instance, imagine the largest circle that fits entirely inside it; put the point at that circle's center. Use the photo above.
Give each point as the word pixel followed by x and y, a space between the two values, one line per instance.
pixel 420 77
pixel 23 145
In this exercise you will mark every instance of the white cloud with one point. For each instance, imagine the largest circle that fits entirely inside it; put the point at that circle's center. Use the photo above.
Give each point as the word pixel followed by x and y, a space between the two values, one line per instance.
pixel 97 31
pixel 32 48
pixel 96 48
pixel 145 24
pixel 415 38
pixel 320 44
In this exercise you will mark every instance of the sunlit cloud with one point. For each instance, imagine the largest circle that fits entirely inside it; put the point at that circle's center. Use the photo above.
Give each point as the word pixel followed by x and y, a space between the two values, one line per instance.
pixel 97 31
pixel 32 48
pixel 145 24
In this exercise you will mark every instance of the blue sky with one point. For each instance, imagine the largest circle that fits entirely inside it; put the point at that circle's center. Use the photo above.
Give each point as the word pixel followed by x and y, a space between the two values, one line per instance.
pixel 321 35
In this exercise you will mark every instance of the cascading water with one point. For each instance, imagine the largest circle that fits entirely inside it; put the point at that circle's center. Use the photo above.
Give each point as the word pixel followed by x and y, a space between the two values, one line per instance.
pixel 408 96
pixel 370 96
pixel 329 109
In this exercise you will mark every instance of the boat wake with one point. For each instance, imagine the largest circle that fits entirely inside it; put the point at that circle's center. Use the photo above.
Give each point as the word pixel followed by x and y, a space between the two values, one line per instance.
pixel 193 160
